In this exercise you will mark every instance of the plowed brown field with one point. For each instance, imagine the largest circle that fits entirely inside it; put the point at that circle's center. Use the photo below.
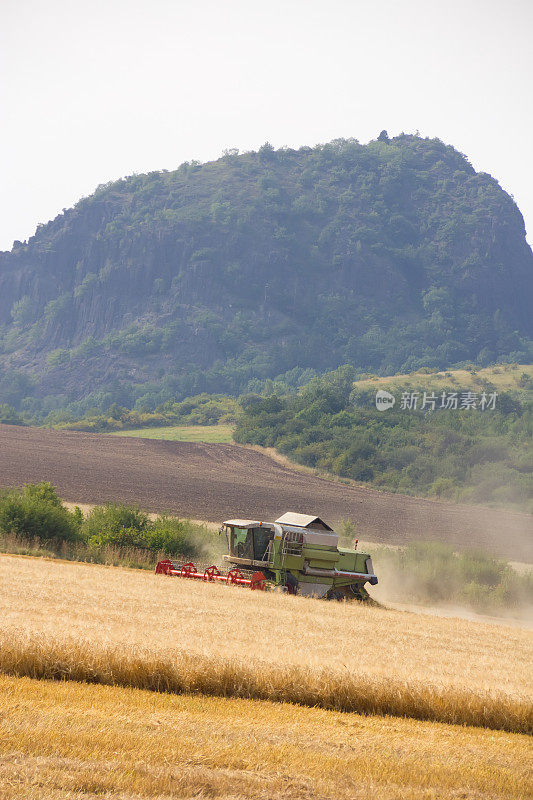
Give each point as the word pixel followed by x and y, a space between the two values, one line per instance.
pixel 217 481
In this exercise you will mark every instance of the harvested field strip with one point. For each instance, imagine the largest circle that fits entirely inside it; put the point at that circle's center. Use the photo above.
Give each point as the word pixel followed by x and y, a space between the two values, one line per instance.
pixel 64 740
pixel 81 661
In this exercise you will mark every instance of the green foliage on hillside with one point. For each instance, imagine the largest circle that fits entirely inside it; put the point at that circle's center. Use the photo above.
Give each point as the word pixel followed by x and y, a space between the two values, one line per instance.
pixel 466 455
pixel 8 415
pixel 267 266
pixel 203 409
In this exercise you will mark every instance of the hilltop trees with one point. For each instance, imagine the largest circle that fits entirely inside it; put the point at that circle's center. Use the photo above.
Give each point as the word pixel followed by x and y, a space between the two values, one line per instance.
pixel 389 256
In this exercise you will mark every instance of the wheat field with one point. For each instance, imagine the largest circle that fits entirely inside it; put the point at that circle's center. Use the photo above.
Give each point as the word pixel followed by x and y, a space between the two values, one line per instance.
pixel 74 741
pixel 131 628
pixel 214 659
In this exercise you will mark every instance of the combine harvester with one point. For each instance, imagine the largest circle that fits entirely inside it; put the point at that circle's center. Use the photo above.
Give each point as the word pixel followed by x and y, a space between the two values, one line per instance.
pixel 297 553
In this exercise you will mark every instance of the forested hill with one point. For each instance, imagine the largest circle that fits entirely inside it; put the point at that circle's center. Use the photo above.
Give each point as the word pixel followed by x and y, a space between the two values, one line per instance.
pixel 389 256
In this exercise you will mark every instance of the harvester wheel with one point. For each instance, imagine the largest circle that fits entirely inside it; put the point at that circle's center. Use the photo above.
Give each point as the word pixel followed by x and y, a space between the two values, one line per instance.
pixel 336 594
pixel 210 573
pixel 291 583
pixel 358 592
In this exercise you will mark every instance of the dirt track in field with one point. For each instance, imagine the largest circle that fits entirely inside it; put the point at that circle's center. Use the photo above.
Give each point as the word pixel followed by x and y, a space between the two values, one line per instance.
pixel 218 481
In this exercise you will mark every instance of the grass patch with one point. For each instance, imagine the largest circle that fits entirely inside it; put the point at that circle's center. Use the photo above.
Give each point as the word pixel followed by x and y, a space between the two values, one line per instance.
pixel 503 377
pixel 214 434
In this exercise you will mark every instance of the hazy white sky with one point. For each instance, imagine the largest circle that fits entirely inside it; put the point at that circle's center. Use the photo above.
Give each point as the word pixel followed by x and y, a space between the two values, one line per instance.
pixel 92 90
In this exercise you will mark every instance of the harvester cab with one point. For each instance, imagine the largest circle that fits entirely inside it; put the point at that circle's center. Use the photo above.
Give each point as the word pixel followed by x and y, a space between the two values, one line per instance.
pixel 299 553
pixel 248 541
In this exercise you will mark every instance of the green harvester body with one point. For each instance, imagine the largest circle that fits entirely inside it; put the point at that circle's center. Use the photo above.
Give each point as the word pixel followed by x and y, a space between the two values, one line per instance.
pixel 299 553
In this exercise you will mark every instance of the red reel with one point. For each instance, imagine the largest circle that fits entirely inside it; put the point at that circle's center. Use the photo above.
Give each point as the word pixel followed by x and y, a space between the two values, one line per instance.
pixel 210 573
pixel 234 576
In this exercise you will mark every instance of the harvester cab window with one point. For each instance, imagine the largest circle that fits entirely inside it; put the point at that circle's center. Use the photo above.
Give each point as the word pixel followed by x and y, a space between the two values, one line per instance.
pixel 262 537
pixel 241 543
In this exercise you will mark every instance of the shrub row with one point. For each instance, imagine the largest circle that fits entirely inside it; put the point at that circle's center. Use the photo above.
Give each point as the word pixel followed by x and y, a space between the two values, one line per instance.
pixel 433 573
pixel 36 514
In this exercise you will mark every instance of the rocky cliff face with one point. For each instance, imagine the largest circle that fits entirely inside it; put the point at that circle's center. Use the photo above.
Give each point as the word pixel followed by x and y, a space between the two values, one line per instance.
pixel 390 256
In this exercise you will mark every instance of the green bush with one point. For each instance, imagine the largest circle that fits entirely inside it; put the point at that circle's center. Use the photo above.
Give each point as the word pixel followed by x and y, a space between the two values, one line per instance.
pixel 8 415
pixel 36 512
pixel 36 516
pixel 33 521
pixel 126 526
pixel 111 520
pixel 203 409
pixel 172 536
